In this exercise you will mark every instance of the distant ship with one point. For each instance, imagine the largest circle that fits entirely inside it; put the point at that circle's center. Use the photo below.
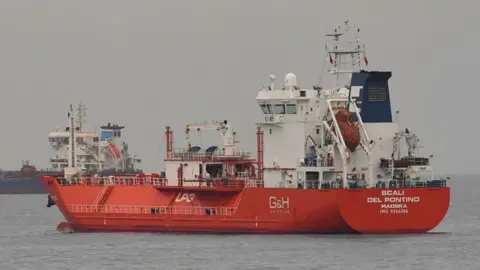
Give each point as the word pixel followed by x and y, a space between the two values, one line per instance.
pixel 102 154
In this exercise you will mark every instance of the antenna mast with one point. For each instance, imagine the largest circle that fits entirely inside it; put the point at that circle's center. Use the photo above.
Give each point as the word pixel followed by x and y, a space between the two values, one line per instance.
pixel 344 56
pixel 81 115
pixel 71 140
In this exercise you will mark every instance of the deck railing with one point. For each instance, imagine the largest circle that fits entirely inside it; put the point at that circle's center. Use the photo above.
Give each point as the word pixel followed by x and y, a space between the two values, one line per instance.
pixel 160 182
pixel 223 182
pixel 184 154
pixel 113 181
pixel 359 184
pixel 151 210
pixel 242 183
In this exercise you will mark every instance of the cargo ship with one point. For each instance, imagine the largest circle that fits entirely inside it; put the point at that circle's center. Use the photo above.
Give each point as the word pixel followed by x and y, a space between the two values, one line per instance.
pixel 22 181
pixel 97 153
pixel 328 160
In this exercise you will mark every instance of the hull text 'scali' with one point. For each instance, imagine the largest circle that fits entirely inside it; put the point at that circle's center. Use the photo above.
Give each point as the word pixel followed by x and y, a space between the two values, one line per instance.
pixel 329 160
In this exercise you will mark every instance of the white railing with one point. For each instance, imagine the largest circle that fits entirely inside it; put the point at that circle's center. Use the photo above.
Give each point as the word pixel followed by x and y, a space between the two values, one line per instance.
pixel 239 182
pixel 223 182
pixel 113 181
pixel 183 154
pixel 253 183
pixel 148 209
pixel 242 175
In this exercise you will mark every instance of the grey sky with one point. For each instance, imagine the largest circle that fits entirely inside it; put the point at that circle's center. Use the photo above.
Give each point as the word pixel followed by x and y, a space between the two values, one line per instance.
pixel 148 64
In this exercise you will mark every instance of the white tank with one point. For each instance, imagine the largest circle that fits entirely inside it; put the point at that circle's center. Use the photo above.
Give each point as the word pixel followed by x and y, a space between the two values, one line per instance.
pixel 290 81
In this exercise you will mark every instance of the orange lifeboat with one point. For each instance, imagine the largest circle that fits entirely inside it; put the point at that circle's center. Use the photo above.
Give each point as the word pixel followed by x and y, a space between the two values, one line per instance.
pixel 350 132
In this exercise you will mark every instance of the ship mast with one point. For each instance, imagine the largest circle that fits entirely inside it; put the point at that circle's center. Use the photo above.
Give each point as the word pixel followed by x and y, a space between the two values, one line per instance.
pixel 345 57
pixel 72 168
pixel 81 115
pixel 71 140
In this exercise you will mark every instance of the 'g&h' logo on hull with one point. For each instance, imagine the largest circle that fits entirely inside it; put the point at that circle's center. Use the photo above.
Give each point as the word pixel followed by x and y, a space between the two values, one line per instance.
pixel 279 205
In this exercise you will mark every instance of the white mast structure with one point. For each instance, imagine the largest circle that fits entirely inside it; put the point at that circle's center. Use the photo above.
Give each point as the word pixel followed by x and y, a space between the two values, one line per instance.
pixel 345 58
pixel 71 169
pixel 81 114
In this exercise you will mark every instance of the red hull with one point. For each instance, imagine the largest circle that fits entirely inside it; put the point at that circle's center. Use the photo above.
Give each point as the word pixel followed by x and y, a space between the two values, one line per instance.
pixel 247 210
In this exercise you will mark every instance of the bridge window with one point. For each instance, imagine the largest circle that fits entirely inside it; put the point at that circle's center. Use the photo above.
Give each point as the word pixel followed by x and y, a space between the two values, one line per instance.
pixel 291 109
pixel 58 139
pixel 266 108
pixel 106 135
pixel 279 109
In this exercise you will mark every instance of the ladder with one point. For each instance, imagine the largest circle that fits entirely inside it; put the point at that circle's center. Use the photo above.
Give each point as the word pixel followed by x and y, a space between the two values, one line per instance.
pixel 102 197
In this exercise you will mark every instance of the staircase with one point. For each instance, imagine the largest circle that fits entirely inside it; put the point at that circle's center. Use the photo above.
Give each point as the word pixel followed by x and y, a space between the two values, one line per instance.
pixel 102 197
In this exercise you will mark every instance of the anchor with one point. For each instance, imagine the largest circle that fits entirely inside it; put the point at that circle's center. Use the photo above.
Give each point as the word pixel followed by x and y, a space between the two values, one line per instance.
pixel 50 202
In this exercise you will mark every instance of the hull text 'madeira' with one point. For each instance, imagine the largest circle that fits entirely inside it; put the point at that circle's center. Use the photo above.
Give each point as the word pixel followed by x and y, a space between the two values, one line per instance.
pixel 329 159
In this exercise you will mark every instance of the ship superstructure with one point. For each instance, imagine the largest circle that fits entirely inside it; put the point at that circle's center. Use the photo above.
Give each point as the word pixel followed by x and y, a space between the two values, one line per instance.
pixel 329 160
pixel 93 151
pixel 303 126
pixel 102 153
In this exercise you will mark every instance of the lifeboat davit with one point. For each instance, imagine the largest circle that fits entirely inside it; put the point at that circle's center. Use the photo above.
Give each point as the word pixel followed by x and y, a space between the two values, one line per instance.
pixel 349 130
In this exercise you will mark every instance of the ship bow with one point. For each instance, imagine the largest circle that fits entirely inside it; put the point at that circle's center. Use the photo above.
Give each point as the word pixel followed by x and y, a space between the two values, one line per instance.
pixel 47 182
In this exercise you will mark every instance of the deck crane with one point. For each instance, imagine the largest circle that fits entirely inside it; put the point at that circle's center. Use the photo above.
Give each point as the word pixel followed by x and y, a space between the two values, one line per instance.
pixel 225 129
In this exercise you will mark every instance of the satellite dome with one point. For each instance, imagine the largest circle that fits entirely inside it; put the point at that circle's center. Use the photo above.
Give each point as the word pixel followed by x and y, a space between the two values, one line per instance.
pixel 290 80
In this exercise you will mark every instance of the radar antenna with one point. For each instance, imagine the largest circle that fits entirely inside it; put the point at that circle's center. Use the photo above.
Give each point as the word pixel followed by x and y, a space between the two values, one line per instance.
pixel 344 56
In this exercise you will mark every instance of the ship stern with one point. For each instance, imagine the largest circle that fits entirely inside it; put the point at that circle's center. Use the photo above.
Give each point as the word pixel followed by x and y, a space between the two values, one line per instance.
pixel 393 211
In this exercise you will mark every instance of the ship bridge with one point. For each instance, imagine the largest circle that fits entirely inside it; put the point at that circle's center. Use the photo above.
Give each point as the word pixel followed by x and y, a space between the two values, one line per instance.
pixel 287 102
pixel 335 133
pixel 321 126
pixel 111 132
pixel 290 114
pixel 59 141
